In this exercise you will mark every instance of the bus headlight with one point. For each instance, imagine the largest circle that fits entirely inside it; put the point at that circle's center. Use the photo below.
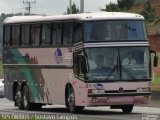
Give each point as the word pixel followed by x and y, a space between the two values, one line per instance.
pixel 96 91
pixel 140 90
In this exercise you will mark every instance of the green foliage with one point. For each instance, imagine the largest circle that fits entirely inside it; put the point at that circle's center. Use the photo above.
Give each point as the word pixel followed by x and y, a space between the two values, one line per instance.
pixel 75 9
pixel 139 2
pixel 111 8
pixel 125 4
pixel 149 12
pixel 3 16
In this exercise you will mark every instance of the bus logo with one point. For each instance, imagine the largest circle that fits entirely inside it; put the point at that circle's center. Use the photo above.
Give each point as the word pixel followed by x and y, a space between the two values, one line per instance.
pixel 120 90
pixel 58 56
pixel 98 86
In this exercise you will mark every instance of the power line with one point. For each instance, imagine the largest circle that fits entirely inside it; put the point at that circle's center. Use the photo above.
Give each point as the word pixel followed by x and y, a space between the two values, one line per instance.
pixel 49 5
pixel 41 6
pixel 82 6
pixel 70 4
pixel 29 5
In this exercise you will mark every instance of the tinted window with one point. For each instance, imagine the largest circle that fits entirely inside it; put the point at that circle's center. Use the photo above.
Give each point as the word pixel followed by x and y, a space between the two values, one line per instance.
pixel 25 34
pixel 123 63
pixel 46 34
pixel 35 34
pixel 115 30
pixel 15 35
pixel 75 61
pixel 79 65
pixel 78 33
pixel 67 33
pixel 56 34
pixel 7 31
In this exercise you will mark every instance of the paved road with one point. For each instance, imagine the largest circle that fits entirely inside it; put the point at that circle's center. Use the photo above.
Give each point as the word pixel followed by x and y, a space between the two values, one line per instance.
pixel 57 112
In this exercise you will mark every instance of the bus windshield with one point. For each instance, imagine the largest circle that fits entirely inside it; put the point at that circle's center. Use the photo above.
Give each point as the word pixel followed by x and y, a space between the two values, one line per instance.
pixel 104 64
pixel 115 30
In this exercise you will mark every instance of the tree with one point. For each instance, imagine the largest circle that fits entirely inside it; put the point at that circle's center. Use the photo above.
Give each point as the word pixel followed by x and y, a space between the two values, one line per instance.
pixel 112 7
pixel 75 9
pixel 149 12
pixel 125 4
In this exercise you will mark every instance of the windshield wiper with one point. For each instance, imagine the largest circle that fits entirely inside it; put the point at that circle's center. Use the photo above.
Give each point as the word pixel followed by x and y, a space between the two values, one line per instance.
pixel 128 72
pixel 111 72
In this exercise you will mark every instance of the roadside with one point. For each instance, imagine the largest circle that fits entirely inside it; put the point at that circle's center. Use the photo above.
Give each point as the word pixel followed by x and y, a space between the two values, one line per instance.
pixel 155 100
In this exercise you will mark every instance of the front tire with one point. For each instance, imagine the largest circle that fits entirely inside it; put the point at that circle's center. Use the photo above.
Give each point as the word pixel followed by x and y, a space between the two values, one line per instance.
pixel 127 108
pixel 70 102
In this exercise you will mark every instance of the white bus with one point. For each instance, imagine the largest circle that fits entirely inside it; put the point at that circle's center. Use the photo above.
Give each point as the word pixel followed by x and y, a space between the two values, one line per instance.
pixel 77 61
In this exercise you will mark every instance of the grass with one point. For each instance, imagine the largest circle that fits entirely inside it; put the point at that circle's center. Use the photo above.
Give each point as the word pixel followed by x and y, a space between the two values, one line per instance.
pixel 156 74
pixel 156 82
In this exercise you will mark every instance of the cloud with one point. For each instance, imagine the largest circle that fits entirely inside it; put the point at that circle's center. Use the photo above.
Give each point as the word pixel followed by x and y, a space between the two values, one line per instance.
pixel 3 5
pixel 11 6
pixel 50 7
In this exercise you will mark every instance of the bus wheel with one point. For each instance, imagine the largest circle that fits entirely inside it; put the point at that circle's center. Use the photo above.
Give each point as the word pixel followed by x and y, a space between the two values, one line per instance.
pixel 26 99
pixel 71 102
pixel 18 99
pixel 127 108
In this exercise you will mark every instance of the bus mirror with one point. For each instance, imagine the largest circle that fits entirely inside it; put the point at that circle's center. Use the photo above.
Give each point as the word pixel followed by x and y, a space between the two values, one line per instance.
pixel 155 61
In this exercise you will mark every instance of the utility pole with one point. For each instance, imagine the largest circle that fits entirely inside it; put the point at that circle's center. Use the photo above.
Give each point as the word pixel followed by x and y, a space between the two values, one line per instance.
pixel 82 6
pixel 29 5
pixel 70 4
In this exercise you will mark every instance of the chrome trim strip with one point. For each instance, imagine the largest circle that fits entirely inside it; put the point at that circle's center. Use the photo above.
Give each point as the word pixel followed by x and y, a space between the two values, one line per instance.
pixel 115 44
pixel 42 66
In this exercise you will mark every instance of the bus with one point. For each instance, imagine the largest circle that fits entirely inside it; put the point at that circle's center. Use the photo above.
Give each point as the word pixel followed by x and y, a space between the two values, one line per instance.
pixel 77 60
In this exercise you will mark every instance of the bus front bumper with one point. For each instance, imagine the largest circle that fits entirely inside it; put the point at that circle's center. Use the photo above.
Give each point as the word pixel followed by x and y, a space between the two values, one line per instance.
pixel 120 94
pixel 108 99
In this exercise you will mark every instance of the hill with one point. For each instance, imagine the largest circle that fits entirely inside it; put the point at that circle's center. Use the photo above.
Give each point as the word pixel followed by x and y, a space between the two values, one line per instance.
pixel 152 27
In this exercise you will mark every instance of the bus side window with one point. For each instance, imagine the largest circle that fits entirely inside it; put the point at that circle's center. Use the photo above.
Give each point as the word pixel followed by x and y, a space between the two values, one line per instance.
pixel 77 32
pixel 75 63
pixel 46 34
pixel 79 65
pixel 56 34
pixel 67 33
pixel 7 35
pixel 25 34
pixel 35 34
pixel 15 35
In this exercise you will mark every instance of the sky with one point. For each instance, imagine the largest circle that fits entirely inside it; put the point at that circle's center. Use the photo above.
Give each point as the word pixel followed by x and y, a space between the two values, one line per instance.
pixel 50 7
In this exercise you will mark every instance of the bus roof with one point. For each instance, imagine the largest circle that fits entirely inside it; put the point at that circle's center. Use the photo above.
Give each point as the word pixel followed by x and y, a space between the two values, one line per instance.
pixel 82 17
